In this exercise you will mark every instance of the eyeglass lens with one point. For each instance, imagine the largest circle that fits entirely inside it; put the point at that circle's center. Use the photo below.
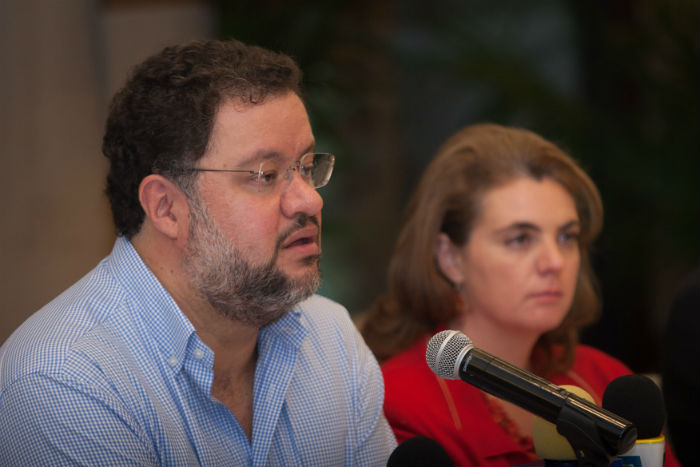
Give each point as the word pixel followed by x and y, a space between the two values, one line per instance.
pixel 314 168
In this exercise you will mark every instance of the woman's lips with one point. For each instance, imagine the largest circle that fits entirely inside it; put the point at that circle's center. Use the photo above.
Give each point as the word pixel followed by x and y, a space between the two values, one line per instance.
pixel 546 295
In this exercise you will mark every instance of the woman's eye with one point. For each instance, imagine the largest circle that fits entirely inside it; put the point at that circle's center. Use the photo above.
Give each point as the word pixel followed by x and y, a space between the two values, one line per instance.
pixel 568 238
pixel 519 240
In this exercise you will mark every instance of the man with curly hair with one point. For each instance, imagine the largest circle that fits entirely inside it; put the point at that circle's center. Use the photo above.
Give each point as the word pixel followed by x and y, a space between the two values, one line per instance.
pixel 199 340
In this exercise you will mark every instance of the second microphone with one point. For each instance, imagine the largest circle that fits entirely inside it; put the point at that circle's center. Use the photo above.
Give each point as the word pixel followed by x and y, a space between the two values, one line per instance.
pixel 451 355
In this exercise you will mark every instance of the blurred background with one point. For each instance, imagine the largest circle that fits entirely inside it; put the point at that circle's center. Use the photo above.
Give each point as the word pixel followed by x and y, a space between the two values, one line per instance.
pixel 614 83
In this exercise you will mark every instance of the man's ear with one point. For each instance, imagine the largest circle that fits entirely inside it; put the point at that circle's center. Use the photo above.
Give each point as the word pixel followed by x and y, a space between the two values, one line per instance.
pixel 165 205
pixel 449 259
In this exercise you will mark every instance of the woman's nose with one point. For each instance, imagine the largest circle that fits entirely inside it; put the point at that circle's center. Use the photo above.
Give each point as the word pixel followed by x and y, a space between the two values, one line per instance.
pixel 550 257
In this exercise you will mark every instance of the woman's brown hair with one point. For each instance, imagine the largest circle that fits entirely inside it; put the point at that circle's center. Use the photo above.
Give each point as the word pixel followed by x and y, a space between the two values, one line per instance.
pixel 476 159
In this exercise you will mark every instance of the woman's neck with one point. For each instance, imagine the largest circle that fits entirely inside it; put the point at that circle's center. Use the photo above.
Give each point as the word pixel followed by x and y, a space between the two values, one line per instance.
pixel 513 346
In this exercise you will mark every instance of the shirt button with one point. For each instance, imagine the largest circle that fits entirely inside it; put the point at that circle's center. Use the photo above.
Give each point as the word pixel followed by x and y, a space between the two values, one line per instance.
pixel 198 354
pixel 172 361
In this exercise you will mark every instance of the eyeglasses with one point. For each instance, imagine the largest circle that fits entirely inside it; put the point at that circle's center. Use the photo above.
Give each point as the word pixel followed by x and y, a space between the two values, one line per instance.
pixel 315 168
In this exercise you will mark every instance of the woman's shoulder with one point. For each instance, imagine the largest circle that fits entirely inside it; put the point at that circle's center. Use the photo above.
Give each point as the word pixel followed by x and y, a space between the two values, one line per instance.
pixel 413 356
pixel 408 367
pixel 588 357
pixel 593 370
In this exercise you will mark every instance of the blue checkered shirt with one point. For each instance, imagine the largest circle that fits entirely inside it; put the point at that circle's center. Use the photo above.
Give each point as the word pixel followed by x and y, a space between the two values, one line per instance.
pixel 111 372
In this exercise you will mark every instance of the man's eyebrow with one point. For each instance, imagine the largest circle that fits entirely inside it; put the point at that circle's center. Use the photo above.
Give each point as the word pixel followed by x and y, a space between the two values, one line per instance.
pixel 267 155
pixel 256 158
pixel 310 148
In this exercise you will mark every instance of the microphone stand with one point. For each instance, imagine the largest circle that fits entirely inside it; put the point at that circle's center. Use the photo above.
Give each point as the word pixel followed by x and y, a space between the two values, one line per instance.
pixel 582 433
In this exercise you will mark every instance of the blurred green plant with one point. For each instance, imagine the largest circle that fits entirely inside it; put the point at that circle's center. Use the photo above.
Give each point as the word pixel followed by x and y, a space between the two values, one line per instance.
pixel 615 83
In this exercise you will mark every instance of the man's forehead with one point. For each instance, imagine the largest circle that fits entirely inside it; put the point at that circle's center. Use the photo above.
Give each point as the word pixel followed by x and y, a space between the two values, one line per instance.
pixel 242 105
pixel 276 129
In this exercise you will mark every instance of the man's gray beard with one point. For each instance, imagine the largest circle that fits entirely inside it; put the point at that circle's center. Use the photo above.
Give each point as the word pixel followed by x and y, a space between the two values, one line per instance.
pixel 253 295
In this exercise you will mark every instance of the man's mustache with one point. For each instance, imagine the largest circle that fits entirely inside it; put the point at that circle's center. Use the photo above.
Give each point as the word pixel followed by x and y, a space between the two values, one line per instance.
pixel 301 221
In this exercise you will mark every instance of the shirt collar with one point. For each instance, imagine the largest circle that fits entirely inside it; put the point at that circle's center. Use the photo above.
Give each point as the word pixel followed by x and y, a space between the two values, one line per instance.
pixel 289 328
pixel 165 323
pixel 163 320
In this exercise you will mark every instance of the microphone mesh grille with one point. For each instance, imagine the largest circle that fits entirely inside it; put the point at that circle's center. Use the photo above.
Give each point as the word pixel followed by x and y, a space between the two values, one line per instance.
pixel 443 350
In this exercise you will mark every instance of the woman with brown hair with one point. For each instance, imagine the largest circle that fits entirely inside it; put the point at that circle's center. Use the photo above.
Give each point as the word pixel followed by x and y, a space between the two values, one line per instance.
pixel 495 244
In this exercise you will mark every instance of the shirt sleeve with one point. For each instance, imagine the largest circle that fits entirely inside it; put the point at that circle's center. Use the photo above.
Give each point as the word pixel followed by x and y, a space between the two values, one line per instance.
pixel 46 420
pixel 376 440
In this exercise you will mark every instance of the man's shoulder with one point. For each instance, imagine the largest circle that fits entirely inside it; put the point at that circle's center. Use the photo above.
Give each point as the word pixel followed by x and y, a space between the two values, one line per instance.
pixel 321 314
pixel 43 341
pixel 318 310
pixel 320 307
pixel 329 325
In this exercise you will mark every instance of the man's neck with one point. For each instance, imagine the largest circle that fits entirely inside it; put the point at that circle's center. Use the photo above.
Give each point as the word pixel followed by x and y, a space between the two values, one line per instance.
pixel 218 332
pixel 233 343
pixel 235 357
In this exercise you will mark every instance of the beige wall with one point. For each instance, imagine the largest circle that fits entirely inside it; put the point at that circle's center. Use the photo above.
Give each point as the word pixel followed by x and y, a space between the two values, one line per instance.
pixel 59 63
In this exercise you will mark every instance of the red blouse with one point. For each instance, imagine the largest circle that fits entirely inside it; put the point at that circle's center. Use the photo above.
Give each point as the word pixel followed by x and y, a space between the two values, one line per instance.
pixel 459 417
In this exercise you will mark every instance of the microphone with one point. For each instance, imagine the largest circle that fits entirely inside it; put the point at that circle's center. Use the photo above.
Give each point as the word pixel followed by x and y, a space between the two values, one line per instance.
pixel 596 434
pixel 638 399
pixel 419 451
pixel 550 445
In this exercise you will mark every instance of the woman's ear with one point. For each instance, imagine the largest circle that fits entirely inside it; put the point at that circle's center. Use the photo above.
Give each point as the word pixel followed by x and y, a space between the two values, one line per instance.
pixel 449 259
pixel 165 205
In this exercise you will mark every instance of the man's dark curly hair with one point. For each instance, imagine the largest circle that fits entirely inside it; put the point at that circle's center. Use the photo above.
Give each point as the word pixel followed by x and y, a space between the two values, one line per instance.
pixel 161 120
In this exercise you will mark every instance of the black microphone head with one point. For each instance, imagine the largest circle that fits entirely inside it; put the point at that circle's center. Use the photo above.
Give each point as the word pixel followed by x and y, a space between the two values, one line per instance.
pixel 638 399
pixel 444 351
pixel 419 451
